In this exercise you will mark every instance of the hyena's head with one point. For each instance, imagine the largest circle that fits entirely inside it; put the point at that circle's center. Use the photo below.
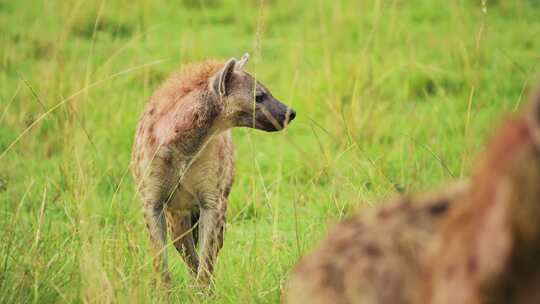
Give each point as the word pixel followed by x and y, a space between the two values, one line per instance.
pixel 247 102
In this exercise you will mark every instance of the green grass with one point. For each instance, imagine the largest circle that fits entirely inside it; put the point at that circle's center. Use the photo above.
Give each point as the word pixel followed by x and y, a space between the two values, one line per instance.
pixel 392 96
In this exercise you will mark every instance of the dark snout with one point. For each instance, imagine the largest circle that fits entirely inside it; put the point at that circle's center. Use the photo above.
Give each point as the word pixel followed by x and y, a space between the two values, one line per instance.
pixel 287 117
pixel 274 115
pixel 292 115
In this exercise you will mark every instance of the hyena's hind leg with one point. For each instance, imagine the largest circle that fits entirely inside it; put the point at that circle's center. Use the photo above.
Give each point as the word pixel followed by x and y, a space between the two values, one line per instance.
pixel 182 231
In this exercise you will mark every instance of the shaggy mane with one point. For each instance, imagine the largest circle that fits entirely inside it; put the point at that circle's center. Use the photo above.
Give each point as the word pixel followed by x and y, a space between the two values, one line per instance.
pixel 191 77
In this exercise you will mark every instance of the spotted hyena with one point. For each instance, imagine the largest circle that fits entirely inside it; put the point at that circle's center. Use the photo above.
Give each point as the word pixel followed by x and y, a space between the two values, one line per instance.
pixel 183 156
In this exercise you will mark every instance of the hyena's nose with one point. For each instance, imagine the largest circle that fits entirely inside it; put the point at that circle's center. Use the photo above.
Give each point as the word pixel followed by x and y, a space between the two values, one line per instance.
pixel 292 114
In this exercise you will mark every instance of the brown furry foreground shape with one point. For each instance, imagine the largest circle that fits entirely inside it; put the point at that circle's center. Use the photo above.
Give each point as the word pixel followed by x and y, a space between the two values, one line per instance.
pixel 183 162
pixel 485 249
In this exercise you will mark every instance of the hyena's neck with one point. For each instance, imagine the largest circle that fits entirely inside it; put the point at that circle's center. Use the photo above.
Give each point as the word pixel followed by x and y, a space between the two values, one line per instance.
pixel 192 124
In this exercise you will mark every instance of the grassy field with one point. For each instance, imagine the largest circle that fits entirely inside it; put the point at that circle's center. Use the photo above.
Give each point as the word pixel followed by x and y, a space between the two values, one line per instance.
pixel 392 96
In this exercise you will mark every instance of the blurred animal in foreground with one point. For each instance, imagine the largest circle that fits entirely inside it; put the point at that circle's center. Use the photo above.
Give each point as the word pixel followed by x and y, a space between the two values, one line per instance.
pixel 482 247
pixel 183 158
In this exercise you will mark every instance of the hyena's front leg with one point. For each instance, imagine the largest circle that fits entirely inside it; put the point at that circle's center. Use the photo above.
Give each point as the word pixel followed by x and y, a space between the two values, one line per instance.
pixel 155 222
pixel 211 226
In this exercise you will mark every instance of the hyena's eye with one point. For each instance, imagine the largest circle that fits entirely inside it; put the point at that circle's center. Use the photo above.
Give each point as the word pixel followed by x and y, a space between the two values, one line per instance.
pixel 260 97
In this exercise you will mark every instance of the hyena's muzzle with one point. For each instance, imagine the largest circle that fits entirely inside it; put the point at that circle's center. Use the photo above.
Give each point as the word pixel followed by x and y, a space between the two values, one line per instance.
pixel 271 115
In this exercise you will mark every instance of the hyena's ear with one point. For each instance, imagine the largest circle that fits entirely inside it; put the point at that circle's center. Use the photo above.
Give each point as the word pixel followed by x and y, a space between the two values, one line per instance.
pixel 242 62
pixel 223 77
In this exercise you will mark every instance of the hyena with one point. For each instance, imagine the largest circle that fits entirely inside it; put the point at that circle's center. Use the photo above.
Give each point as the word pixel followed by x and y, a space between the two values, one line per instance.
pixel 183 158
